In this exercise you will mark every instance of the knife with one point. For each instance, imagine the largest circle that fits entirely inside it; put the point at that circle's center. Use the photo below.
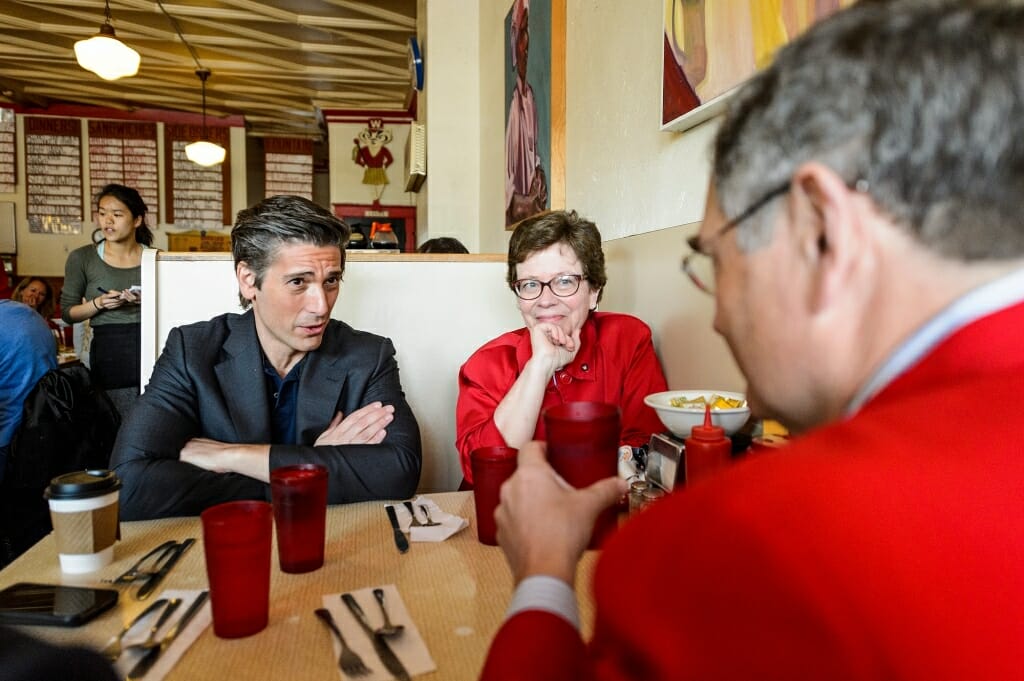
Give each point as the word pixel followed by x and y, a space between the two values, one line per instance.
pixel 400 541
pixel 384 652
pixel 150 657
pixel 132 573
pixel 154 580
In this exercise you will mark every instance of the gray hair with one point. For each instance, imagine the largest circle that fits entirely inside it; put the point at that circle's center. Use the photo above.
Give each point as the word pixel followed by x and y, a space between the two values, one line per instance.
pixel 261 230
pixel 920 99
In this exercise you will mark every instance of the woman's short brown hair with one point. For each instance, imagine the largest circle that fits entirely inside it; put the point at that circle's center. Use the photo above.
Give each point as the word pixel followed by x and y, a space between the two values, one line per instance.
pixel 558 226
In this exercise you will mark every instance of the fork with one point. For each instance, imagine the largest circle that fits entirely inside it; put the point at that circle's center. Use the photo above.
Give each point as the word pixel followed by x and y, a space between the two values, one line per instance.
pixel 415 521
pixel 426 511
pixel 151 641
pixel 349 661
pixel 113 649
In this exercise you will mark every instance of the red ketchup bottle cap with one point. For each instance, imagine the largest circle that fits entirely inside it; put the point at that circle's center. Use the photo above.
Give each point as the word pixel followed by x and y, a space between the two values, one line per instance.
pixel 708 431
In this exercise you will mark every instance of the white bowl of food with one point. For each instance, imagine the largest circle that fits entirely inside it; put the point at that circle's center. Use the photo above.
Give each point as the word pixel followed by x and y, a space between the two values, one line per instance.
pixel 681 410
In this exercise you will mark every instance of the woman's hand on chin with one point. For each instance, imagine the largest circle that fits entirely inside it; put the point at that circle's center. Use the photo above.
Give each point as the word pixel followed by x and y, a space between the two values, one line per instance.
pixel 553 346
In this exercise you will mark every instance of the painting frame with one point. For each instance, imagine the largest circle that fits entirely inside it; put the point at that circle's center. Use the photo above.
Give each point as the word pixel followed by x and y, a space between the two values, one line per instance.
pixel 711 49
pixel 545 73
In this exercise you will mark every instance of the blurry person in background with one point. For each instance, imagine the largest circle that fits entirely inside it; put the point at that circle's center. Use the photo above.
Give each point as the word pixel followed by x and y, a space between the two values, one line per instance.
pixel 24 657
pixel 102 284
pixel 442 244
pixel 864 244
pixel 26 353
pixel 567 352
pixel 37 294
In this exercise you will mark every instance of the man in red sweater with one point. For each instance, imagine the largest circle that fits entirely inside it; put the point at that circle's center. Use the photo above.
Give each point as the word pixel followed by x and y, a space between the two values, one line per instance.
pixel 867 258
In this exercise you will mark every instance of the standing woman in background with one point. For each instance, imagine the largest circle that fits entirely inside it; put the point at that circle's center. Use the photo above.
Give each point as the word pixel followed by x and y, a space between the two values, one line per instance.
pixel 98 281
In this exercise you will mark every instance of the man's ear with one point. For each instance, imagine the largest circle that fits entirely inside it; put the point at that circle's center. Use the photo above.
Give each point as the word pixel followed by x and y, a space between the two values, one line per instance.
pixel 833 235
pixel 246 280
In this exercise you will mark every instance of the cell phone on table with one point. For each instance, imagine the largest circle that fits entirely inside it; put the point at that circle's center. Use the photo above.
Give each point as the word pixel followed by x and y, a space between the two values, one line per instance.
pixel 53 604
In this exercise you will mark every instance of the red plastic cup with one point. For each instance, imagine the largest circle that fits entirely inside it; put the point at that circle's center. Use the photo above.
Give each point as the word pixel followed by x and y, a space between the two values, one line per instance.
pixel 583 443
pixel 236 539
pixel 491 467
pixel 299 493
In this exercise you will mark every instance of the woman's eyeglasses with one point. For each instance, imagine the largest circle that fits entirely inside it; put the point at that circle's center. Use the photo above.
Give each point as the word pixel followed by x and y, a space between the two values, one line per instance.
pixel 563 286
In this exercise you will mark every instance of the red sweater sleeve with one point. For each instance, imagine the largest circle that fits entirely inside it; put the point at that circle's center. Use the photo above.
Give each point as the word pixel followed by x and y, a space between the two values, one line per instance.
pixel 538 646
pixel 484 380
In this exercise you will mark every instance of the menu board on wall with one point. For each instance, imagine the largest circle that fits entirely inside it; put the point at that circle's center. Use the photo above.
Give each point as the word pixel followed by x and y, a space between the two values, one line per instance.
pixel 124 152
pixel 289 166
pixel 8 162
pixel 197 197
pixel 53 174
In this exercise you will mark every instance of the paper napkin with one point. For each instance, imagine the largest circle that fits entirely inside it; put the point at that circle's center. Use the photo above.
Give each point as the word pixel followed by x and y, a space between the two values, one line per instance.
pixel 448 524
pixel 180 645
pixel 408 646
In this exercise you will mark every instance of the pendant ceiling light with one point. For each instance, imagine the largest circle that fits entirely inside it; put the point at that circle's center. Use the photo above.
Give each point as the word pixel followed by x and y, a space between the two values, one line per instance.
pixel 105 55
pixel 204 152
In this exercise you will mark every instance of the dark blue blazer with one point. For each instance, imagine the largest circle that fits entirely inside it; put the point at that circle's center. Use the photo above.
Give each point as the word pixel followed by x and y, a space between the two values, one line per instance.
pixel 209 382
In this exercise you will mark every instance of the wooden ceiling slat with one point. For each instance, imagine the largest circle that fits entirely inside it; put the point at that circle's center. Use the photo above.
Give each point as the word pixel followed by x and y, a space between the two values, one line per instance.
pixel 273 62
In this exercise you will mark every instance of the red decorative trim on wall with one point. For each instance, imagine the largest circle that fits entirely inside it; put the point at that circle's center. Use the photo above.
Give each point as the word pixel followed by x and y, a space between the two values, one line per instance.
pixel 357 116
pixel 125 130
pixel 154 115
pixel 37 125
pixel 287 145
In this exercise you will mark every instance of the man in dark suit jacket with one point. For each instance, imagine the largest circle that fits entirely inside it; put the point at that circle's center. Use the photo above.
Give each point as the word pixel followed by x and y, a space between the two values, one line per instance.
pixel 235 397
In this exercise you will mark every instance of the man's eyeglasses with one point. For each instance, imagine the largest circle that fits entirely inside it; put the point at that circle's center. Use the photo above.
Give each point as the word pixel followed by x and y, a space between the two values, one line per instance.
pixel 563 286
pixel 698 265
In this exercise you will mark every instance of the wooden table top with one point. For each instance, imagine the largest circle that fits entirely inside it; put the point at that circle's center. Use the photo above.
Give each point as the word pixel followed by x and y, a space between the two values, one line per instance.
pixel 456 591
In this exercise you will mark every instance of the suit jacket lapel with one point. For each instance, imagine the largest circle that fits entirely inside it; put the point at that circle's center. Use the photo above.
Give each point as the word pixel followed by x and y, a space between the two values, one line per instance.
pixel 242 383
pixel 323 378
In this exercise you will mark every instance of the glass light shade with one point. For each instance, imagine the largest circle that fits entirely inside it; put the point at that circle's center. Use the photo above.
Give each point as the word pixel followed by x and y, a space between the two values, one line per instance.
pixel 107 57
pixel 205 153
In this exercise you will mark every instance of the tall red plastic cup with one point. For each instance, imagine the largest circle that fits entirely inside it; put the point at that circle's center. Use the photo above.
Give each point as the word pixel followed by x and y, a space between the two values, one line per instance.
pixel 491 467
pixel 236 539
pixel 299 494
pixel 583 443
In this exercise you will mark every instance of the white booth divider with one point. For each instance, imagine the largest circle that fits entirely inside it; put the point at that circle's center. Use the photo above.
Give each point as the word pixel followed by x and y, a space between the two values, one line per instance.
pixel 437 309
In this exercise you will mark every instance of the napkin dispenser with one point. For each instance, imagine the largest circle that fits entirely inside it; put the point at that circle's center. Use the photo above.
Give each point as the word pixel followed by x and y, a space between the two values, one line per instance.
pixel 666 463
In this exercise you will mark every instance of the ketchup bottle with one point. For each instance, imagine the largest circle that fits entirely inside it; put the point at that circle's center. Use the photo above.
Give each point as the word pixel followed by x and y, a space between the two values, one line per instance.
pixel 706 450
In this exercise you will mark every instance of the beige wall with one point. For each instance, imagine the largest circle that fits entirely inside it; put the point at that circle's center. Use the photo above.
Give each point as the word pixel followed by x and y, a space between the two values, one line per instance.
pixel 621 170
pixel 449 204
pixel 644 279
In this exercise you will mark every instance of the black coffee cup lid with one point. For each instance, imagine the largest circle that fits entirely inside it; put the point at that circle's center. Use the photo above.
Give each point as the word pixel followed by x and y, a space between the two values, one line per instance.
pixel 83 484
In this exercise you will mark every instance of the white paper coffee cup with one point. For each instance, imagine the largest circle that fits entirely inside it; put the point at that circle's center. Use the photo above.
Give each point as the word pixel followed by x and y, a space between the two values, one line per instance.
pixel 84 508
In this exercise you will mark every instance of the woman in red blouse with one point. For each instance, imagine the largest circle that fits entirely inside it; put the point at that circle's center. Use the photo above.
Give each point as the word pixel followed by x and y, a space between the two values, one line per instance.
pixel 567 352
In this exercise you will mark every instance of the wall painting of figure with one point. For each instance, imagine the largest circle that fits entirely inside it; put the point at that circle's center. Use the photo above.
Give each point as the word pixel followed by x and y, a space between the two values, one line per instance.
pixel 711 47
pixel 534 108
